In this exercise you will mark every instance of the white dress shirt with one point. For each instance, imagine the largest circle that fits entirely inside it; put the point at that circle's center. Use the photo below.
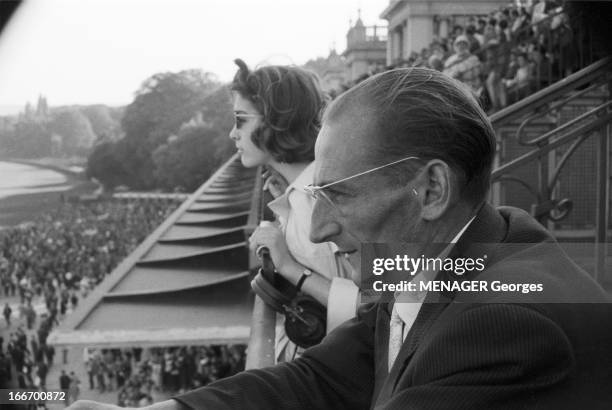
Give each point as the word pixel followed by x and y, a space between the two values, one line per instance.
pixel 408 304
pixel 294 210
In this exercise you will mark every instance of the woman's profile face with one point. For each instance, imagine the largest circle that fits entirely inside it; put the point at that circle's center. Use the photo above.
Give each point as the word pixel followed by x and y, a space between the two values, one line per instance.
pixel 247 120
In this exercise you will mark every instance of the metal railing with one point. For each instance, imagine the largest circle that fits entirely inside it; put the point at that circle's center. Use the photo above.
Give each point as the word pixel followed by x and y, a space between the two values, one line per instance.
pixel 564 139
pixel 376 33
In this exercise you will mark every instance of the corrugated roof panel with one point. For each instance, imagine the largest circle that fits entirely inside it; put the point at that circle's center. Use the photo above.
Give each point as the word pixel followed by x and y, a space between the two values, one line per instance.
pixel 187 232
pixel 163 253
pixel 170 280
pixel 221 207
pixel 218 314
pixel 227 198
pixel 229 190
pixel 191 218
pixel 188 282
pixel 229 255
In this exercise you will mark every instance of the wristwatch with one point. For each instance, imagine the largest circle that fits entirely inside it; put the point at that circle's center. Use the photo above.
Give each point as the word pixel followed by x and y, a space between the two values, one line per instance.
pixel 305 274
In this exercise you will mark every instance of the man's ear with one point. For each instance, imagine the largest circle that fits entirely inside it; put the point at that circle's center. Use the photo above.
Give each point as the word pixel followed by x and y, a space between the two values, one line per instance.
pixel 437 190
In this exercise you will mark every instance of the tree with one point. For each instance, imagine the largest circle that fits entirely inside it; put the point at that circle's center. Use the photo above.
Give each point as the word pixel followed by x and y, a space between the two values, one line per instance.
pixel 217 111
pixel 200 147
pixel 188 160
pixel 75 129
pixel 102 122
pixel 31 139
pixel 175 133
pixel 105 165
pixel 163 103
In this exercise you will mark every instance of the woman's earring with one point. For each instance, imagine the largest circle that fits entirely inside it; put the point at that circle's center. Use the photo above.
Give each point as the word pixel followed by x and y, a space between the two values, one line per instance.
pixel 415 192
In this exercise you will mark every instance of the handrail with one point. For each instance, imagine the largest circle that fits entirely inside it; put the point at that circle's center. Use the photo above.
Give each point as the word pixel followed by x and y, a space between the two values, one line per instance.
pixel 540 151
pixel 548 135
pixel 594 123
pixel 552 107
pixel 551 93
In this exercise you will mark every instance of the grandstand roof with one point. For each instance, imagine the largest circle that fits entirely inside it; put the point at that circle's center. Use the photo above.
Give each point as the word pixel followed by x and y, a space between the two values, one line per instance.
pixel 187 283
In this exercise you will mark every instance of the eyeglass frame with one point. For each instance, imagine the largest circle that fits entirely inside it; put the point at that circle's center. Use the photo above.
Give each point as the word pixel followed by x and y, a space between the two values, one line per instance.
pixel 316 191
pixel 247 115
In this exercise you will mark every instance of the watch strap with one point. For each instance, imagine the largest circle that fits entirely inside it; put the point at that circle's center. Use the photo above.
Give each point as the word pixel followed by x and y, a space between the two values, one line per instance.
pixel 305 274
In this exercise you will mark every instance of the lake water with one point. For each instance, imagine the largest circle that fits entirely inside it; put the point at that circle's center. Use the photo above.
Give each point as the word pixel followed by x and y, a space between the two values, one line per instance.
pixel 16 179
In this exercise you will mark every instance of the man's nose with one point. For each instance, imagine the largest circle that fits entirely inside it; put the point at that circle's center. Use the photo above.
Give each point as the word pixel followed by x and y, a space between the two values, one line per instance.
pixel 323 226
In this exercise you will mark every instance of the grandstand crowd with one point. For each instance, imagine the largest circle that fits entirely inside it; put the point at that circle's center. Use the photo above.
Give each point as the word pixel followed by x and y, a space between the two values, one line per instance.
pixel 504 55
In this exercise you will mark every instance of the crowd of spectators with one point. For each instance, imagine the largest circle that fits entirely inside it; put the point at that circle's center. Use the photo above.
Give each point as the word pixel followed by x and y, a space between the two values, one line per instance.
pixel 66 252
pixel 505 55
pixel 57 260
pixel 25 361
pixel 136 373
pixel 52 262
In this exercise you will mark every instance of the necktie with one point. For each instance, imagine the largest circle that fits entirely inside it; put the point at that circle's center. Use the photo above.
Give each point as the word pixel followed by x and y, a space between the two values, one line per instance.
pixel 396 336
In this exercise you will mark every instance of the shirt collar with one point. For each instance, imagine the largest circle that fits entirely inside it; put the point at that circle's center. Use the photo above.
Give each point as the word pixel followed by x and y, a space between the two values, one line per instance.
pixel 426 275
pixel 281 206
pixel 462 231
pixel 305 178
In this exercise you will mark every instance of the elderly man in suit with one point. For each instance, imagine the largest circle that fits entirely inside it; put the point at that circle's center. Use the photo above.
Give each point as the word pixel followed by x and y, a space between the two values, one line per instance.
pixel 406 156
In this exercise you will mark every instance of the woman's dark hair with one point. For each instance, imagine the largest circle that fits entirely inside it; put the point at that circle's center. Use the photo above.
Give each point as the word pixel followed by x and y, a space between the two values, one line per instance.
pixel 291 101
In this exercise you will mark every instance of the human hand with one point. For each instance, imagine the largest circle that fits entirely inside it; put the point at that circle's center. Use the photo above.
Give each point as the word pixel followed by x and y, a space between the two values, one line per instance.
pixel 272 238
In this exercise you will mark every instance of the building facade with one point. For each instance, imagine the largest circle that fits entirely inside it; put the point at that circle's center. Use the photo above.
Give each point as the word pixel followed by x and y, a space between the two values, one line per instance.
pixel 366 50
pixel 331 71
pixel 414 24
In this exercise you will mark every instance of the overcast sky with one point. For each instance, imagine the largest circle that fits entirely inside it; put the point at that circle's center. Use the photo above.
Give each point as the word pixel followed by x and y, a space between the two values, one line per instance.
pixel 100 51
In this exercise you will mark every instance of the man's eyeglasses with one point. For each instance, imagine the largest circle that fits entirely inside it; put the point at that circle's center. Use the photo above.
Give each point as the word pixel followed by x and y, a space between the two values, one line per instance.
pixel 317 192
pixel 241 118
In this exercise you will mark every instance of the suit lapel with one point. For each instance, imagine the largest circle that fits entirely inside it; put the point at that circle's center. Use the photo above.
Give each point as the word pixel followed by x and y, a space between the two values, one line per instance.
pixel 381 353
pixel 489 227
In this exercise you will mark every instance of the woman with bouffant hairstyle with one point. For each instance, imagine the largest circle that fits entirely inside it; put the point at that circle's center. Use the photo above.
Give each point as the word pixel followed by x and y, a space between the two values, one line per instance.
pixel 277 111
pixel 289 101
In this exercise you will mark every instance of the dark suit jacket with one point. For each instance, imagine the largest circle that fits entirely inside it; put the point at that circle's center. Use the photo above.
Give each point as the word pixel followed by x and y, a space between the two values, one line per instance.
pixel 461 352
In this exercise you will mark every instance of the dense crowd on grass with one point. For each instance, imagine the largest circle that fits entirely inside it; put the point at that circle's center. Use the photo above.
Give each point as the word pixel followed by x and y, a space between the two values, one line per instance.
pixel 49 264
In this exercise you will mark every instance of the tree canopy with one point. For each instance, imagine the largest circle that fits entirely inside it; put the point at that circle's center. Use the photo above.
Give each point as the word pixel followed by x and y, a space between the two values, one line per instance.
pixel 174 134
